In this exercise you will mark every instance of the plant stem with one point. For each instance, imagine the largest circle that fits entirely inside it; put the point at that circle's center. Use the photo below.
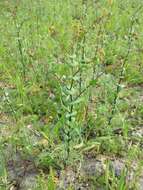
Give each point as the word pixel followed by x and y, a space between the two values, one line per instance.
pixel 121 75
pixel 19 44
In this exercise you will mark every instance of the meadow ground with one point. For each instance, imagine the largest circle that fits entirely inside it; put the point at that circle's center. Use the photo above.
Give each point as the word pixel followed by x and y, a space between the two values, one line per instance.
pixel 71 93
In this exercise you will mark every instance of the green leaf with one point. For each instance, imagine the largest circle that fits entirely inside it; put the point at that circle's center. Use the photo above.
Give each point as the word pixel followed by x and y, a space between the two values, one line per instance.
pixel 93 82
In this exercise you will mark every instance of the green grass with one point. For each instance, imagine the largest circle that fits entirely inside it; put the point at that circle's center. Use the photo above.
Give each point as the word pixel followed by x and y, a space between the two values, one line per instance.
pixel 70 82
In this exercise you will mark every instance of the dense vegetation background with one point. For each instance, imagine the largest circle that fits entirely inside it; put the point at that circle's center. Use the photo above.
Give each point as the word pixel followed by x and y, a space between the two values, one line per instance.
pixel 71 91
